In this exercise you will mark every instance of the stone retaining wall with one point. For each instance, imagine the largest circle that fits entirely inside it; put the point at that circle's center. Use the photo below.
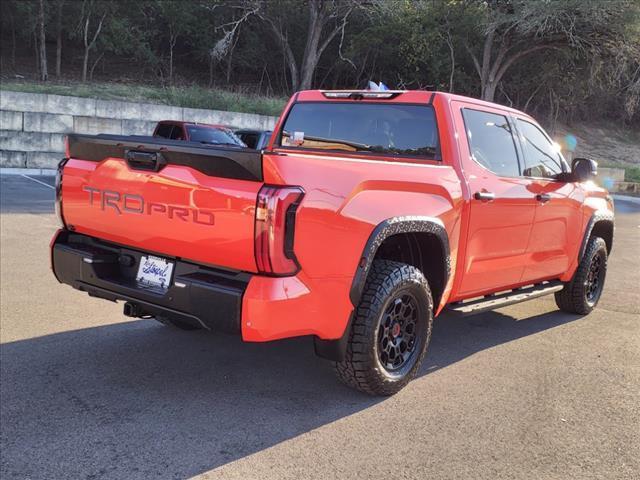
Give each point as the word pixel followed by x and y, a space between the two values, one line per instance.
pixel 33 125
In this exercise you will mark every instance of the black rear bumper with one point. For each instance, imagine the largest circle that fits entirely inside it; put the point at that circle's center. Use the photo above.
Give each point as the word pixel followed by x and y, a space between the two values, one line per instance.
pixel 198 295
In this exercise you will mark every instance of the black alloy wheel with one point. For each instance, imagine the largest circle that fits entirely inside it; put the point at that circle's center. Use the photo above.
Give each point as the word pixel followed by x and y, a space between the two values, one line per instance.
pixel 397 332
pixel 594 281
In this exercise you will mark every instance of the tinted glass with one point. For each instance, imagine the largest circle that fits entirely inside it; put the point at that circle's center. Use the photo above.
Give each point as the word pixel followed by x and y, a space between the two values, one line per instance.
pixel 541 159
pixel 491 142
pixel 214 136
pixel 377 127
pixel 264 139
pixel 250 139
pixel 164 130
pixel 177 133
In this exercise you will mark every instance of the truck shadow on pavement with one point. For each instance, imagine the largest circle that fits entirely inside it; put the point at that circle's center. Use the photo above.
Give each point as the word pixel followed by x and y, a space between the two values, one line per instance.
pixel 139 400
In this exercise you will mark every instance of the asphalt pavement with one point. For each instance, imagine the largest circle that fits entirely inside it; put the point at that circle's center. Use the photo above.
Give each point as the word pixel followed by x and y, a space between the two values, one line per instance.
pixel 523 392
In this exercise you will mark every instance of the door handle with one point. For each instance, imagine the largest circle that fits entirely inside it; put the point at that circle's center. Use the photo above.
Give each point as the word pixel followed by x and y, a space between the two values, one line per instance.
pixel 485 196
pixel 543 197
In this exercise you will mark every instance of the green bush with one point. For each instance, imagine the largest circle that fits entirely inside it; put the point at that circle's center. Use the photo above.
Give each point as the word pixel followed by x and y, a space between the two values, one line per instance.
pixel 632 174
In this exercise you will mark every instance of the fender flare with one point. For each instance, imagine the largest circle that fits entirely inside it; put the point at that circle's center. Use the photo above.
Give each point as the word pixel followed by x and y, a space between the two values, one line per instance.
pixel 597 216
pixel 394 226
pixel 335 349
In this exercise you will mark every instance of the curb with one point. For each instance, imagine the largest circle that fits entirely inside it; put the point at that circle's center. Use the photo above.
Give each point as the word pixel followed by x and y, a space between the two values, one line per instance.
pixel 45 172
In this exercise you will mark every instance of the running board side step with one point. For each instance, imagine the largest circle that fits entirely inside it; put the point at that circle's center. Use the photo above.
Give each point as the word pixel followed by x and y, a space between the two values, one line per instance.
pixel 491 302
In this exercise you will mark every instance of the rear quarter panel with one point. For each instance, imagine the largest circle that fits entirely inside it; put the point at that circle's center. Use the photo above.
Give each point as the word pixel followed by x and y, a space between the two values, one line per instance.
pixel 345 199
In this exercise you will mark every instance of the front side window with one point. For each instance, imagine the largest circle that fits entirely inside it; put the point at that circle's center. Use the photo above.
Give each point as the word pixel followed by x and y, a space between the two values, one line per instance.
pixel 541 159
pixel 388 129
pixel 491 142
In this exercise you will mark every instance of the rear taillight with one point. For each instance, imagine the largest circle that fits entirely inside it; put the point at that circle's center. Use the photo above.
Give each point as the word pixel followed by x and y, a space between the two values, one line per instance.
pixel 275 229
pixel 58 202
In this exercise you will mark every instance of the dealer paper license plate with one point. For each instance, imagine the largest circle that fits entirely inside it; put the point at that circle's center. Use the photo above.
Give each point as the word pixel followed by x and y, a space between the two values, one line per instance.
pixel 154 271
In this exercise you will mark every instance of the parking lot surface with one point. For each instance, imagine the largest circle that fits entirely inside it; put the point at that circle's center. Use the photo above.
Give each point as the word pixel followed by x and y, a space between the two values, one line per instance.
pixel 523 392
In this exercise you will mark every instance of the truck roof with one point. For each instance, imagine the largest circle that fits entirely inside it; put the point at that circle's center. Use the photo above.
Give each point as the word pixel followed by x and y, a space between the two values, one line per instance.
pixel 398 96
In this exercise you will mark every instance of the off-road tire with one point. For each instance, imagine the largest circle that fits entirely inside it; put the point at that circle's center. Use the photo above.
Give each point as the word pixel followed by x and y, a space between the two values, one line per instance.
pixel 574 297
pixel 362 367
pixel 170 322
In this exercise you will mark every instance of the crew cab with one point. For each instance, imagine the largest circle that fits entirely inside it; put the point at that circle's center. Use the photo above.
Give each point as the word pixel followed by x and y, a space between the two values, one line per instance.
pixel 368 214
pixel 197 132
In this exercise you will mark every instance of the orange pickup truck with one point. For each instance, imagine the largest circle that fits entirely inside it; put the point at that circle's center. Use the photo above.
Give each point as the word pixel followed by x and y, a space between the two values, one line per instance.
pixel 368 214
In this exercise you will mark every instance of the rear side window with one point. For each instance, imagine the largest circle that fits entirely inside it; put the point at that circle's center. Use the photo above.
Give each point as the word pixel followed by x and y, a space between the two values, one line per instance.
pixel 541 159
pixel 392 129
pixel 164 130
pixel 491 142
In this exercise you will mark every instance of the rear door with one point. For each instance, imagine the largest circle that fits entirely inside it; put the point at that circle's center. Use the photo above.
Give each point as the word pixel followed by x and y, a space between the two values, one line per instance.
pixel 502 206
pixel 167 197
pixel 558 216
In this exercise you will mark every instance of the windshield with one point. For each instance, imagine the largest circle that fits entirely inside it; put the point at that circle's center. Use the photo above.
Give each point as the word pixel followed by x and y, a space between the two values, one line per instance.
pixel 396 129
pixel 215 136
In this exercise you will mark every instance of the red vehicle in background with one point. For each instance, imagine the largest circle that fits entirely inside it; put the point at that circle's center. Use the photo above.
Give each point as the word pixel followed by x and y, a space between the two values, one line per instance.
pixel 368 214
pixel 197 132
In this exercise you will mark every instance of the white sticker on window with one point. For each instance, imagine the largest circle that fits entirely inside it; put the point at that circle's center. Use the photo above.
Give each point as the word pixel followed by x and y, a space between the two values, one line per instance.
pixel 297 138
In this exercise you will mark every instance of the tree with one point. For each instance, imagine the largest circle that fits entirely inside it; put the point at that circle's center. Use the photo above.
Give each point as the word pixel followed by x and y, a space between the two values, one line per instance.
pixel 44 75
pixel 564 59
pixel 515 29
pixel 326 19
pixel 410 44
pixel 59 11
pixel 225 45
pixel 92 17
pixel 8 16
pixel 177 19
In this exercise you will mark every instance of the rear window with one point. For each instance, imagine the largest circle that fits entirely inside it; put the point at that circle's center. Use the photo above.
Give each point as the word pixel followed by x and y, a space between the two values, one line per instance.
pixel 393 129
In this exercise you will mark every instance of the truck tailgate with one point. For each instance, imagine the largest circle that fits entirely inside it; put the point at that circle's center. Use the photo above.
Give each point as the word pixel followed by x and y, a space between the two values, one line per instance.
pixel 199 205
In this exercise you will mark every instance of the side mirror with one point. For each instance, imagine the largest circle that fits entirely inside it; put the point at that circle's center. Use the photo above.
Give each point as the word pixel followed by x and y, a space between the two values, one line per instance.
pixel 583 169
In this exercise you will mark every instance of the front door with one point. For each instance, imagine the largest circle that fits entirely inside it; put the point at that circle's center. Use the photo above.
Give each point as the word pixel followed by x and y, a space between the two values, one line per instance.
pixel 554 242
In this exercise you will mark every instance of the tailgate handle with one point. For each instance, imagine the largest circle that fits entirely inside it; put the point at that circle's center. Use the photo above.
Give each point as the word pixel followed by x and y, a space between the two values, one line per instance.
pixel 150 161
